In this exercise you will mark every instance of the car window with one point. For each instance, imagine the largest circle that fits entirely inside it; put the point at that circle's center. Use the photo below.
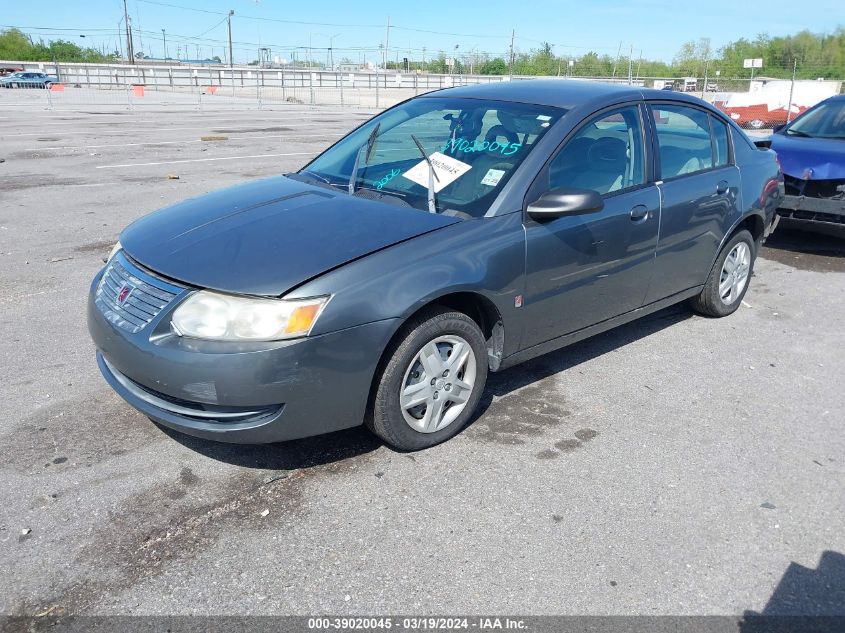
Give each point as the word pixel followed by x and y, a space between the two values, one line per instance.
pixel 472 145
pixel 605 155
pixel 826 120
pixel 720 142
pixel 683 140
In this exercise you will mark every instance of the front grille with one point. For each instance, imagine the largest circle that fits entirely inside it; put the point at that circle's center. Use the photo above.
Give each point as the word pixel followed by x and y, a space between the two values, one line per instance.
pixel 814 188
pixel 129 297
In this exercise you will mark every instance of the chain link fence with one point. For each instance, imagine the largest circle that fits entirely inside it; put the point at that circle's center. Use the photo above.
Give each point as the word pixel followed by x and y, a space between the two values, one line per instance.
pixel 757 104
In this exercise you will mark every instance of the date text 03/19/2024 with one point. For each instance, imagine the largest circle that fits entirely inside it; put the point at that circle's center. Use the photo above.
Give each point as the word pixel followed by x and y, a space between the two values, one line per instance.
pixel 481 623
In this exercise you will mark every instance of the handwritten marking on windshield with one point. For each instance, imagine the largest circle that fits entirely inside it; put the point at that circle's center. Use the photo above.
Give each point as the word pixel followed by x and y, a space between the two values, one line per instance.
pixel 468 147
pixel 387 178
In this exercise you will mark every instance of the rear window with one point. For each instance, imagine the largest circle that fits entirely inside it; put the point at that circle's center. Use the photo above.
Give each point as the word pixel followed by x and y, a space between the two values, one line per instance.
pixel 721 147
pixel 683 139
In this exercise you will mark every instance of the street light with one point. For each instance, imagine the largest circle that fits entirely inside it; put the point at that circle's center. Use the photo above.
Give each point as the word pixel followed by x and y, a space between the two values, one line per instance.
pixel 330 51
pixel 164 36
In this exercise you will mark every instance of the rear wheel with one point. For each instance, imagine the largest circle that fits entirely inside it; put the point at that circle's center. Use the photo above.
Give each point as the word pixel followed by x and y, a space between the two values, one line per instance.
pixel 729 278
pixel 432 381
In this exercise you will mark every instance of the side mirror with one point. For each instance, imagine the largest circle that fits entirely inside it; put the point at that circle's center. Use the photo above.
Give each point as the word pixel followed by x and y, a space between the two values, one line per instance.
pixel 559 202
pixel 778 128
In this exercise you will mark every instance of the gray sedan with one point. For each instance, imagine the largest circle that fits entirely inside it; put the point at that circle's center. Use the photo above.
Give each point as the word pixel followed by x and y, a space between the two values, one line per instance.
pixel 459 233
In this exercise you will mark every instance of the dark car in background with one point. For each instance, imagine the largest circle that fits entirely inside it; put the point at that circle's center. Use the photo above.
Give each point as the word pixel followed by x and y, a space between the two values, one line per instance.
pixel 28 80
pixel 8 70
pixel 461 232
pixel 811 151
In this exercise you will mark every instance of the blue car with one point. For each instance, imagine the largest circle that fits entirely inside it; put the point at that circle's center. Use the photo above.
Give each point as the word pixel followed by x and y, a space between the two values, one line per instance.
pixel 28 80
pixel 811 151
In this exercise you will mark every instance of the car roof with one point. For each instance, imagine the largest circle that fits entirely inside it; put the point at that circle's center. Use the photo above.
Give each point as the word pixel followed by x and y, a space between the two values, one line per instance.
pixel 561 93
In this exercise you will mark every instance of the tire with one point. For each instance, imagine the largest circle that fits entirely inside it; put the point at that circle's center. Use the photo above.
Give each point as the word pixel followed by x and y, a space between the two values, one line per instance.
pixel 713 300
pixel 46 85
pixel 406 368
pixel 13 85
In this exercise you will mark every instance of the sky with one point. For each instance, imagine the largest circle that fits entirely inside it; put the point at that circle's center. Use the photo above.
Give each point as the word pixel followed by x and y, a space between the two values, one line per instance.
pixel 653 29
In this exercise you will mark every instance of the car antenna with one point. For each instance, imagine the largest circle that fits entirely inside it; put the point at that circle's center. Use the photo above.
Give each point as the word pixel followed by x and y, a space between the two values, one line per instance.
pixel 371 140
pixel 432 176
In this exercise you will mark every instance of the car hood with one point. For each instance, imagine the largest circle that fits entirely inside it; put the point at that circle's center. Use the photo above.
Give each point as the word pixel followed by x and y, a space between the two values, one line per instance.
pixel 268 236
pixel 824 156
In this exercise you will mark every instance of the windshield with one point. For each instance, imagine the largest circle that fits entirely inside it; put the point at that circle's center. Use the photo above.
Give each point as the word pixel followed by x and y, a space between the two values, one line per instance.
pixel 827 120
pixel 471 147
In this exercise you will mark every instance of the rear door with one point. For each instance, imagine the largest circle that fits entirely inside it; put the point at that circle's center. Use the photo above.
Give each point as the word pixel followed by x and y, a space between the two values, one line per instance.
pixel 587 268
pixel 700 191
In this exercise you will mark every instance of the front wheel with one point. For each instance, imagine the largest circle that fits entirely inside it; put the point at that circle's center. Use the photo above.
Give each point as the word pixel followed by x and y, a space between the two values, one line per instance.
pixel 729 278
pixel 431 382
pixel 47 85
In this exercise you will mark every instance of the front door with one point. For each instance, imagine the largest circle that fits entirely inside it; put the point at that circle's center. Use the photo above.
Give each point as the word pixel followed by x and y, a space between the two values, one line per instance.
pixel 584 269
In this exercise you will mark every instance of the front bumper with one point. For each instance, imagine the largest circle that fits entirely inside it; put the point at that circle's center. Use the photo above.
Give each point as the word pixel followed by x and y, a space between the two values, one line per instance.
pixel 811 209
pixel 243 393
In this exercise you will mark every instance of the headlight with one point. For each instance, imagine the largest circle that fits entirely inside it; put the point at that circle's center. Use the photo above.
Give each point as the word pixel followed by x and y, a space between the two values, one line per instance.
pixel 113 252
pixel 219 317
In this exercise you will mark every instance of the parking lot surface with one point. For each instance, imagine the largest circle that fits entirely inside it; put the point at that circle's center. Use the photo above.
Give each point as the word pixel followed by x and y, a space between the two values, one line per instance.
pixel 677 465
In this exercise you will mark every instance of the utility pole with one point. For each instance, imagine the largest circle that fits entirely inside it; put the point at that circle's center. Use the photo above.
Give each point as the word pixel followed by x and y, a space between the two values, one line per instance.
pixel 510 62
pixel 386 42
pixel 130 50
pixel 791 88
pixel 616 62
pixel 631 66
pixel 164 36
pixel 229 20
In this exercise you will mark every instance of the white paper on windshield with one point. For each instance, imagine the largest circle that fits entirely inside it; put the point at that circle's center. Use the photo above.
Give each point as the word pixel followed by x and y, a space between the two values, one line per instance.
pixel 492 177
pixel 448 170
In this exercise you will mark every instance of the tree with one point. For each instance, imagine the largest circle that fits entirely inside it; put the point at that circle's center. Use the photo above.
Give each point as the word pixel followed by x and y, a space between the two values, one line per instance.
pixel 495 66
pixel 16 46
pixel 692 58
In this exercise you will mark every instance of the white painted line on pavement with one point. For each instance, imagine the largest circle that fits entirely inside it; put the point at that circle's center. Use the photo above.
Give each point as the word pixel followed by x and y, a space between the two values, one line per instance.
pixel 176 128
pixel 231 138
pixel 203 160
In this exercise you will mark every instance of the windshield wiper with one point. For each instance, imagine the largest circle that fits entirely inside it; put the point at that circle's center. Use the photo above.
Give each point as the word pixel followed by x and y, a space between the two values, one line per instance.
pixel 368 146
pixel 312 175
pixel 798 133
pixel 432 176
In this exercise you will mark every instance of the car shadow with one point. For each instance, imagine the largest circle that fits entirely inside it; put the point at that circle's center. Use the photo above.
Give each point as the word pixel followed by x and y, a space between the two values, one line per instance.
pixel 291 455
pixel 806 599
pixel 509 380
pixel 350 443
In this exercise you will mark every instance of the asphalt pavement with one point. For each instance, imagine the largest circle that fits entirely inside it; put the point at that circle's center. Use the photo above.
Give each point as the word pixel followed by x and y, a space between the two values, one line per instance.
pixel 676 465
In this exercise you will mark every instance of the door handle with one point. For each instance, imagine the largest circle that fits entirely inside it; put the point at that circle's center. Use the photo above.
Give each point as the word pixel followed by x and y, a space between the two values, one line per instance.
pixel 639 213
pixel 722 187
